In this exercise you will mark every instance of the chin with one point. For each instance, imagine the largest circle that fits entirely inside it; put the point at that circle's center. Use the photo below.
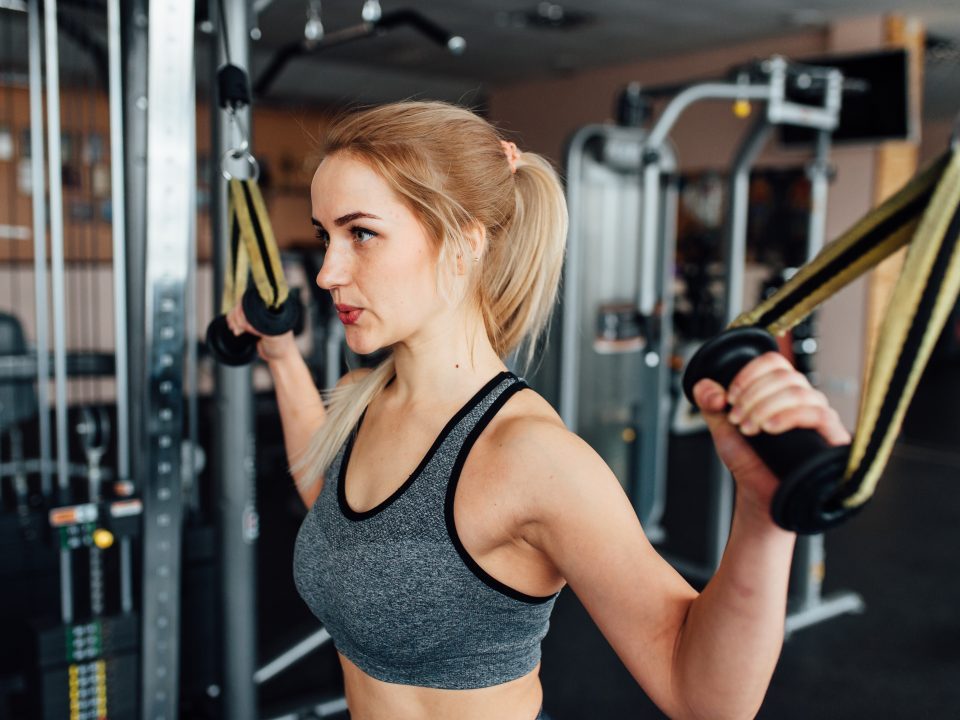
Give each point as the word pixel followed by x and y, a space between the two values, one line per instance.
pixel 360 345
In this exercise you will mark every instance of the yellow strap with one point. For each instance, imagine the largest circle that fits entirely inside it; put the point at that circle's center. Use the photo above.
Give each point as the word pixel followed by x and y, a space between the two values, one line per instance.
pixel 926 215
pixel 261 247
pixel 932 241
pixel 812 285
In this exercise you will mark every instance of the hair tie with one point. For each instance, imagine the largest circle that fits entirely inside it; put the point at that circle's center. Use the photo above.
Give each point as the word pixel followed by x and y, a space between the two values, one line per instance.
pixel 510 150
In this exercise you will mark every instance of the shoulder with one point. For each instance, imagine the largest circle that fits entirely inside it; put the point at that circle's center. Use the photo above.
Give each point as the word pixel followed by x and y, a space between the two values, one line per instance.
pixel 537 455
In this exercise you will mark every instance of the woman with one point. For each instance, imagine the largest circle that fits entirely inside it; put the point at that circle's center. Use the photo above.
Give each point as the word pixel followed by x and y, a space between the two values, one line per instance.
pixel 448 504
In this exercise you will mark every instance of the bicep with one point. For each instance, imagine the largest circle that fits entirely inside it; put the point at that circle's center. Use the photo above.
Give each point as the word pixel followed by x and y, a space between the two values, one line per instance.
pixel 591 533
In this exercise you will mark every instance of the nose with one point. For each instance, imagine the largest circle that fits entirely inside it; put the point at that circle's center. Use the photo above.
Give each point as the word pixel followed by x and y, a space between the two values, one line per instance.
pixel 335 270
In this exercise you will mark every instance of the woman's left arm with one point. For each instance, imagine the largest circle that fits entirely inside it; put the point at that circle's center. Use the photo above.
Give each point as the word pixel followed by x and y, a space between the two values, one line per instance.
pixel 697 656
pixel 738 619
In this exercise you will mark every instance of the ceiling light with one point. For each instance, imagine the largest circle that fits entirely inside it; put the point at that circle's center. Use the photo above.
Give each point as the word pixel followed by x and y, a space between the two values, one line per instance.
pixel 371 11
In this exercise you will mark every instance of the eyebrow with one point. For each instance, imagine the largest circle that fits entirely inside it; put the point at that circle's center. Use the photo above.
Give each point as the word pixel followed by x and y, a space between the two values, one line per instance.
pixel 349 217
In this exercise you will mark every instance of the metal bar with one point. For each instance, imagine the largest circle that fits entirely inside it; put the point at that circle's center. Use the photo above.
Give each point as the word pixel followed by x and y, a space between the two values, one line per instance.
pixel 289 657
pixel 234 460
pixel 650 234
pixel 656 401
pixel 825 609
pixel 721 482
pixel 807 605
pixel 696 93
pixel 39 465
pixel 57 270
pixel 190 365
pixel 170 176
pixel 134 41
pixel 737 216
pixel 118 229
pixel 126 576
pixel 20 368
pixel 39 243
pixel 56 240
pixel 570 333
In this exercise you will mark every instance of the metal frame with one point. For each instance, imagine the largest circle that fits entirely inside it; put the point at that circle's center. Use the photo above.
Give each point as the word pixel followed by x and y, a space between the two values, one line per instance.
pixel 234 466
pixel 118 229
pixel 170 175
pixel 807 606
pixel 39 243
pixel 622 147
pixel 54 161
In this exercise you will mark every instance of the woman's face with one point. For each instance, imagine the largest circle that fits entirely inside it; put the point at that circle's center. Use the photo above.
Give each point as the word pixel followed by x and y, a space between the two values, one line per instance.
pixel 380 266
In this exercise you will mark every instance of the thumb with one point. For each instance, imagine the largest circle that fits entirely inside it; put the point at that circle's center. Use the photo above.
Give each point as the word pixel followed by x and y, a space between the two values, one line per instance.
pixel 711 398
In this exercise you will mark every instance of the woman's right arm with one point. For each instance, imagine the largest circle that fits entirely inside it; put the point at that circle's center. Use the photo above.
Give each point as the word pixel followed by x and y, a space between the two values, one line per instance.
pixel 301 408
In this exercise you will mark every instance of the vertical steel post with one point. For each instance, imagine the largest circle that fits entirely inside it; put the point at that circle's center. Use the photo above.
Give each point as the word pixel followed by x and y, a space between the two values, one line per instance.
pixel 807 606
pixel 40 246
pixel 735 259
pixel 570 305
pixel 134 94
pixel 233 465
pixel 170 176
pixel 56 241
pixel 118 228
pixel 57 273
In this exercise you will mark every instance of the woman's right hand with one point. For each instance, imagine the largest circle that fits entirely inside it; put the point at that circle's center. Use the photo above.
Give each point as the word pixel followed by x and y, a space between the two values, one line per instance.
pixel 272 348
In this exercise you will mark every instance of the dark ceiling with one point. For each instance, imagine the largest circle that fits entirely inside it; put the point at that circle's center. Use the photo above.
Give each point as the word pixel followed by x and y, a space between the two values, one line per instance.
pixel 512 40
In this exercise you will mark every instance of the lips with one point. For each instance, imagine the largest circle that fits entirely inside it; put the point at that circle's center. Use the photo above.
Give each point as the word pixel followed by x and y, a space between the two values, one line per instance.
pixel 348 314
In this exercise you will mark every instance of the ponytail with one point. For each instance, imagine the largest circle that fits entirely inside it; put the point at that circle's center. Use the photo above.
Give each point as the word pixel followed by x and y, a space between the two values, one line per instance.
pixel 521 273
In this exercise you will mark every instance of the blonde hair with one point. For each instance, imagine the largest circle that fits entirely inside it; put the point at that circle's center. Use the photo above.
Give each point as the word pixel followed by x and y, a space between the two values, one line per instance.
pixel 448 166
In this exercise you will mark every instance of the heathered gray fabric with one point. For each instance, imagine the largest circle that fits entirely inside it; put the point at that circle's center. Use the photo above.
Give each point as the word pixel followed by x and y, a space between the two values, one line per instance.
pixel 393 591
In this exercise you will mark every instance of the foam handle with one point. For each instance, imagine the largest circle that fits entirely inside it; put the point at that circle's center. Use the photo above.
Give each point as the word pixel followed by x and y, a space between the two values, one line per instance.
pixel 810 469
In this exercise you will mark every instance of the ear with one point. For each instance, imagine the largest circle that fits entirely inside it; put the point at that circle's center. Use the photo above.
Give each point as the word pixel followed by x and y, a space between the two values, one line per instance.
pixel 476 235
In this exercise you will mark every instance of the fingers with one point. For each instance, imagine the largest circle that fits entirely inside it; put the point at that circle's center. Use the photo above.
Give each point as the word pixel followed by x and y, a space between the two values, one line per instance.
pixel 823 419
pixel 768 395
pixel 710 396
pixel 237 321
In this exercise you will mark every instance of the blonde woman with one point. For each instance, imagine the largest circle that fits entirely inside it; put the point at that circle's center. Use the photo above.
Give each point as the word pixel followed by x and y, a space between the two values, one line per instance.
pixel 448 504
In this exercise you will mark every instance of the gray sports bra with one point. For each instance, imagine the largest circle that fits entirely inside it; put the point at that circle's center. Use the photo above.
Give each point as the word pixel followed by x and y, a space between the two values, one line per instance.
pixel 396 589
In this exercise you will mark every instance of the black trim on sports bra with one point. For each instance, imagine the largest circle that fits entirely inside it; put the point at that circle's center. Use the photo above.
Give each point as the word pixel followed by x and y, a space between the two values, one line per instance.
pixel 485 577
pixel 352 514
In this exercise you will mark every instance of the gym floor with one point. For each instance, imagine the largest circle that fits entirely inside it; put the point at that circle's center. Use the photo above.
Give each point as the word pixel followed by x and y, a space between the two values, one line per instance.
pixel 899 659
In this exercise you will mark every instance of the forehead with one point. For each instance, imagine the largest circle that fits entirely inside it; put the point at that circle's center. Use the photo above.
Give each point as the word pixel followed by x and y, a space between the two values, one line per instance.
pixel 344 184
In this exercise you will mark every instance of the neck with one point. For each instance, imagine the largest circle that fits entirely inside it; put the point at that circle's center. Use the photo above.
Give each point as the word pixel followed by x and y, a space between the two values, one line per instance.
pixel 451 358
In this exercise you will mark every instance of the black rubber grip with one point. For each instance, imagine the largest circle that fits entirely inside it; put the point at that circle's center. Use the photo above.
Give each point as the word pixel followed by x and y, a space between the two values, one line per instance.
pixel 809 499
pixel 227 348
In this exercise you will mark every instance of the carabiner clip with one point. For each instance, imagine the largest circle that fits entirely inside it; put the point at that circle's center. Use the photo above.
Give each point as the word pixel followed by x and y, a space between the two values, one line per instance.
pixel 239 152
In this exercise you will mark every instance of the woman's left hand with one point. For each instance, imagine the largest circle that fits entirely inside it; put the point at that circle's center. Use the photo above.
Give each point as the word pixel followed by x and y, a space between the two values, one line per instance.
pixel 768 395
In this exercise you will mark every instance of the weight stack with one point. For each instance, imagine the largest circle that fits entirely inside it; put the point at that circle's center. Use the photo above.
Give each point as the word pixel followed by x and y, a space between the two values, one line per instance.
pixel 88 671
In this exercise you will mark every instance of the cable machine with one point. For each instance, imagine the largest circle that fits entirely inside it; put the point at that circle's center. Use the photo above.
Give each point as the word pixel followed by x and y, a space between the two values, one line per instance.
pixel 618 300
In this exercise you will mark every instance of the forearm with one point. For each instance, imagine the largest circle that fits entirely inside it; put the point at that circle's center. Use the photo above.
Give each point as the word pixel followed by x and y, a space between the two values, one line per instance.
pixel 301 407
pixel 733 634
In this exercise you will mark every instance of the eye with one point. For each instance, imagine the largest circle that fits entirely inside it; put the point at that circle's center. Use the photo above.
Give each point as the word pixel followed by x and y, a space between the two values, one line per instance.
pixel 361 235
pixel 322 236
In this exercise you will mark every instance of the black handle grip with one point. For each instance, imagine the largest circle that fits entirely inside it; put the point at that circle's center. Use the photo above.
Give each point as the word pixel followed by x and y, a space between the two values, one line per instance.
pixel 272 321
pixel 809 499
pixel 236 350
pixel 227 348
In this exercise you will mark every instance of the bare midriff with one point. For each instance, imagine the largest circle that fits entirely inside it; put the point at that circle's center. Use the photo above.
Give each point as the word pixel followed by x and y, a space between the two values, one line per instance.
pixel 372 699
